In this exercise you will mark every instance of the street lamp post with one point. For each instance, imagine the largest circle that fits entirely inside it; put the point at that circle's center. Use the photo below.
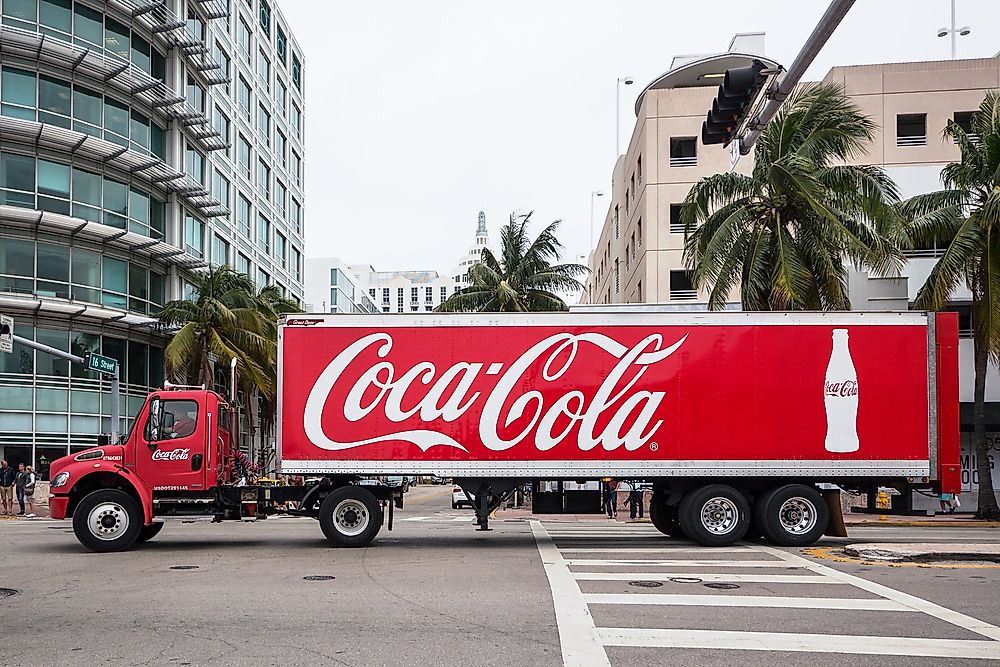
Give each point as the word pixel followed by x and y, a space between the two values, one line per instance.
pixel 953 31
pixel 627 80
pixel 595 193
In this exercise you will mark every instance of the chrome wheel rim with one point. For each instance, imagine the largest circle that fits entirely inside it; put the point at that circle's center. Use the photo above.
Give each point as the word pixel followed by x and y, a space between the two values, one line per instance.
pixel 108 521
pixel 351 517
pixel 797 516
pixel 720 516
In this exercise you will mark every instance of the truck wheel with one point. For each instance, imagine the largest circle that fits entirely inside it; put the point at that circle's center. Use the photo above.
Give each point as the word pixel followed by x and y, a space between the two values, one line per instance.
pixel 664 518
pixel 716 515
pixel 350 517
pixel 107 520
pixel 792 516
pixel 149 532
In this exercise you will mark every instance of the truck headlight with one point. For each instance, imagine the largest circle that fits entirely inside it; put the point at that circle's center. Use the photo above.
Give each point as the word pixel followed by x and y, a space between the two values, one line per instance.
pixel 60 480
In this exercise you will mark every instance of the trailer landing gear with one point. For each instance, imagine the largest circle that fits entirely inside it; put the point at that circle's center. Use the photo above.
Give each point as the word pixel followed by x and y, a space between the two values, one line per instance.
pixel 486 495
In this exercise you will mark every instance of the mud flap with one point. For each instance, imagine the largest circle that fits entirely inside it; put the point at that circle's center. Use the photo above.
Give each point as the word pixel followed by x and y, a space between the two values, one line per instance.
pixel 391 506
pixel 835 527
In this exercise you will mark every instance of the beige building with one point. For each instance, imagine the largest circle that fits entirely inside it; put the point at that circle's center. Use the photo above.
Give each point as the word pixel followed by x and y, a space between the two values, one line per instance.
pixel 638 257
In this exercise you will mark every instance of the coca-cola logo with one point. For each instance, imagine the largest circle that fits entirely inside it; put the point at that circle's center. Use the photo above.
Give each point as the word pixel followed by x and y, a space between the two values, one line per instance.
pixel 430 394
pixel 173 455
pixel 845 388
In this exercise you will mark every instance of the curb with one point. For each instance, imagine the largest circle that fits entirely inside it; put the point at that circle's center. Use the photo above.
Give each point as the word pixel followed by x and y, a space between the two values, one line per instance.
pixel 974 523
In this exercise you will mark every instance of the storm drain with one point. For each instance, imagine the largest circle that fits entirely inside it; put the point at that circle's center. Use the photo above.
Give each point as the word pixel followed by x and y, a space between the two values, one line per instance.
pixel 8 592
pixel 685 580
pixel 721 586
pixel 318 577
pixel 183 567
pixel 646 584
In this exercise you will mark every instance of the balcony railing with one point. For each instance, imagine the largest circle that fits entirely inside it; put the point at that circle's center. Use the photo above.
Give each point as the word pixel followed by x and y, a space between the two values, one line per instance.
pixel 683 294
pixel 684 161
pixel 676 227
pixel 914 140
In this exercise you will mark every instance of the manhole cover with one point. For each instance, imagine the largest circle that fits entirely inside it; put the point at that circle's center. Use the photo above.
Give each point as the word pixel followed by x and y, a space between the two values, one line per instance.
pixel 318 577
pixel 722 586
pixel 7 592
pixel 646 584
pixel 183 567
pixel 685 580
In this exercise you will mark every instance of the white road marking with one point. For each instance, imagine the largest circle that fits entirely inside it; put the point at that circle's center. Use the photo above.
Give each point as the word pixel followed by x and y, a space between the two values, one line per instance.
pixel 651 550
pixel 581 646
pixel 854 604
pixel 778 564
pixel 925 606
pixel 813 643
pixel 705 576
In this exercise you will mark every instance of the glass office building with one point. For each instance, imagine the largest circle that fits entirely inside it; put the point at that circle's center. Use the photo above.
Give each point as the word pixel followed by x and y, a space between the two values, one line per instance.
pixel 140 140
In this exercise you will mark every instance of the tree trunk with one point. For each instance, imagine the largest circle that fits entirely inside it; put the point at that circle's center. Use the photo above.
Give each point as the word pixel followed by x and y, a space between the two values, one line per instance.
pixel 987 499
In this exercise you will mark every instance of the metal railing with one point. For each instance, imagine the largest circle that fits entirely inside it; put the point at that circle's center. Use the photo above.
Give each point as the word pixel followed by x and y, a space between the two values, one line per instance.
pixel 684 161
pixel 683 294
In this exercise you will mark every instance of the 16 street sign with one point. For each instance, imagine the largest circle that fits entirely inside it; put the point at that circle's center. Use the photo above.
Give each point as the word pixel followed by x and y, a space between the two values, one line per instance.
pixel 102 364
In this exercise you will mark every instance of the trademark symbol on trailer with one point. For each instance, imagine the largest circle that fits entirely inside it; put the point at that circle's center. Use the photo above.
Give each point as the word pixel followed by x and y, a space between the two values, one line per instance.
pixel 653 446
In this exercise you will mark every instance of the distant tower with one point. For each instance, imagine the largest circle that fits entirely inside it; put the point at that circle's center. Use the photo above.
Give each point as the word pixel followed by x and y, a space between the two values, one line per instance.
pixel 482 236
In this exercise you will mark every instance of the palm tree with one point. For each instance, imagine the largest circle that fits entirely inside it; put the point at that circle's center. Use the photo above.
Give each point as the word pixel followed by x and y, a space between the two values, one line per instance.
pixel 227 318
pixel 965 217
pixel 784 233
pixel 524 279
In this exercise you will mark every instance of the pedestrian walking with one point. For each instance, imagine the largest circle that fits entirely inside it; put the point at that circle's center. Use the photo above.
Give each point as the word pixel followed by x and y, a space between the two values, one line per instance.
pixel 949 502
pixel 635 501
pixel 611 498
pixel 29 491
pixel 7 478
pixel 19 481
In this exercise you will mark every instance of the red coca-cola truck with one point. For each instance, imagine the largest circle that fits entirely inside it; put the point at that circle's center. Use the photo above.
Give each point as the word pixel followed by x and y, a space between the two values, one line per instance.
pixel 740 422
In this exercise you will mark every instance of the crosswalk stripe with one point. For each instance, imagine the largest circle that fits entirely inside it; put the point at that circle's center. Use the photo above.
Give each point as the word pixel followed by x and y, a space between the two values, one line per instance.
pixel 814 643
pixel 652 550
pixel 667 576
pixel 778 564
pixel 855 604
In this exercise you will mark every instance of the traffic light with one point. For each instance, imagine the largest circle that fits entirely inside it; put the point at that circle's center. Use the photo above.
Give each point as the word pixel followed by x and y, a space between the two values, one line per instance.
pixel 730 106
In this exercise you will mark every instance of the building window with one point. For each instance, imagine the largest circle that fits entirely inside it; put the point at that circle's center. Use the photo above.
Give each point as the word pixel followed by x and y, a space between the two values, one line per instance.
pixel 911 129
pixel 220 122
pixel 281 46
pixel 280 249
pixel 280 96
pixel 264 179
pixel 413 295
pixel 964 120
pixel 683 151
pixel 243 217
pixel 194 164
pixel 265 17
pixel 263 279
pixel 243 264
pixel 280 147
pixel 243 156
pixel 296 218
pixel 264 125
pixel 296 71
pixel 444 294
pixel 264 70
pixel 222 58
pixel 617 277
pixel 295 263
pixel 280 198
pixel 681 288
pixel 220 250
pixel 297 168
pixel 195 95
pixel 263 234
pixel 428 295
pixel 638 229
pixel 616 220
pixel 676 226
pixel 243 90
pixel 639 168
pixel 244 40
pixel 638 292
pixel 220 188
pixel 385 295
pixel 296 120
pixel 194 233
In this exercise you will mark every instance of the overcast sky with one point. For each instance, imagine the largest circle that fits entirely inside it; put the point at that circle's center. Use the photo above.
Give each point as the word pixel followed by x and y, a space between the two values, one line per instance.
pixel 419 114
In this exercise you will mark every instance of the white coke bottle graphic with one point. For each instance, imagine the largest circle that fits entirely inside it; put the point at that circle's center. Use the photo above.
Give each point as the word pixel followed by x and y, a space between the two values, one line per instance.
pixel 840 393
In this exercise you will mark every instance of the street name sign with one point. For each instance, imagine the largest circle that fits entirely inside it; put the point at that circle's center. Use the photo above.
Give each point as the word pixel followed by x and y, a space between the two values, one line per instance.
pixel 102 364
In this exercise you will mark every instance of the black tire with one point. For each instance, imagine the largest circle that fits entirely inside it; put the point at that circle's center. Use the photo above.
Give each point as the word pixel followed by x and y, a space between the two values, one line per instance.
pixel 664 517
pixel 727 520
pixel 149 532
pixel 783 515
pixel 454 506
pixel 107 520
pixel 350 516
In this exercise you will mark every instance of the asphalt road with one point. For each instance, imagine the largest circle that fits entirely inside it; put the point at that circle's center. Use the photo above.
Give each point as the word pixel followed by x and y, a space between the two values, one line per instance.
pixel 434 591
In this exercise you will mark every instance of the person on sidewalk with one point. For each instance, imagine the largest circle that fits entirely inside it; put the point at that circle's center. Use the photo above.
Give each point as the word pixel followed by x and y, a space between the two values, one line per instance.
pixel 611 498
pixel 635 500
pixel 7 478
pixel 29 491
pixel 19 481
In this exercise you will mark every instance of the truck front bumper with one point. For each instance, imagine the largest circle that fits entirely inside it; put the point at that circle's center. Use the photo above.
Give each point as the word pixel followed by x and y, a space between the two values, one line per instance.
pixel 58 506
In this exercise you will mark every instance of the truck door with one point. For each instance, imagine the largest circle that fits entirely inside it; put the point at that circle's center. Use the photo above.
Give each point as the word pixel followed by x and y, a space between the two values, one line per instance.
pixel 175 458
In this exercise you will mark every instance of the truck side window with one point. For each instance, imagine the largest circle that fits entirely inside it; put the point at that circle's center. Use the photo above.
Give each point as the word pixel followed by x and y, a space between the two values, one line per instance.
pixel 179 419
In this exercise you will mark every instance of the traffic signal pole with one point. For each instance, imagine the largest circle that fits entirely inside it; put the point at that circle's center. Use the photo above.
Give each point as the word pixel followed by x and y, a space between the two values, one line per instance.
pixel 834 14
pixel 115 384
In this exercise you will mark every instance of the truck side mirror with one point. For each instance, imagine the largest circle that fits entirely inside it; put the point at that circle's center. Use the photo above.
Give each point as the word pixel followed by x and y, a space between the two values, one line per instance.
pixel 154 421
